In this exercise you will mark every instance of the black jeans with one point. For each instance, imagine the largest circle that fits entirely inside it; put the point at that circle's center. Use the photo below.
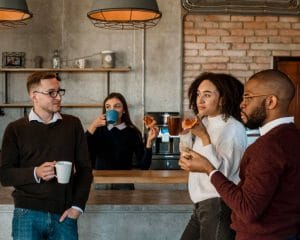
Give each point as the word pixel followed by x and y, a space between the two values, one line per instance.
pixel 210 221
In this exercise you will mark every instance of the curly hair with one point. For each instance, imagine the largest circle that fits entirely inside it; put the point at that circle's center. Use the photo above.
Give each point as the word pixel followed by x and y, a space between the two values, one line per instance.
pixel 230 89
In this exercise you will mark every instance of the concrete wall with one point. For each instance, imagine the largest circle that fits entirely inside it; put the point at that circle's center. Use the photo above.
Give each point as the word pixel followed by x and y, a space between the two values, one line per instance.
pixel 153 84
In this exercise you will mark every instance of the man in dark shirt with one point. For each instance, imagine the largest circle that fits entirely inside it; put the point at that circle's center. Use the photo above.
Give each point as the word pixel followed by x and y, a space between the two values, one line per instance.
pixel 266 203
pixel 44 208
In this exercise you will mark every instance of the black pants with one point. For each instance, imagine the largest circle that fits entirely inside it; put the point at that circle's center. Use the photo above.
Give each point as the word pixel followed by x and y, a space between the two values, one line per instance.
pixel 210 221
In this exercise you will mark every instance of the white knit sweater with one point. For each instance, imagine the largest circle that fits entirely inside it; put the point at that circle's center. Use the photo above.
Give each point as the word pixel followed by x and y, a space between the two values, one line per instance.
pixel 228 143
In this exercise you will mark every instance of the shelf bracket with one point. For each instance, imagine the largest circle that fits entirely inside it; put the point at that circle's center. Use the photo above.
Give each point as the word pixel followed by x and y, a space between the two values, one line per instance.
pixel 25 111
pixel 108 82
pixel 5 88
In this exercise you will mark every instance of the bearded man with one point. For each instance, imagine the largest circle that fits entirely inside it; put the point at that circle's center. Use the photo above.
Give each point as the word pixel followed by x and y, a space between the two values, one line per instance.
pixel 266 202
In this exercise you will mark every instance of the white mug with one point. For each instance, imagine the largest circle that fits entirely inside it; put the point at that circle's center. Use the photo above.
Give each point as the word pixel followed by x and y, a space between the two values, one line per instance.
pixel 80 63
pixel 63 171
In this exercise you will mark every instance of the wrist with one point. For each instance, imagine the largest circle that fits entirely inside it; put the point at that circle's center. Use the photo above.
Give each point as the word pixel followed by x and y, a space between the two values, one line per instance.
pixel 149 143
pixel 92 129
pixel 205 140
pixel 209 168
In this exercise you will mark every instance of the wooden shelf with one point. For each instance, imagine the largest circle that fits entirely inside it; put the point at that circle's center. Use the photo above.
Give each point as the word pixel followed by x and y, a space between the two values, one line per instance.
pixel 140 176
pixel 116 69
pixel 6 72
pixel 68 105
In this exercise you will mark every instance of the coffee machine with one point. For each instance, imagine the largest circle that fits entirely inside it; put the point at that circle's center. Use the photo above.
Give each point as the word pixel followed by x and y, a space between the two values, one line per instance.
pixel 165 149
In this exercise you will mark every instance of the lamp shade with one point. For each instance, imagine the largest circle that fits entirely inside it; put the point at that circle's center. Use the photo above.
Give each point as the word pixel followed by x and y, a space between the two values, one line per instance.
pixel 14 10
pixel 122 13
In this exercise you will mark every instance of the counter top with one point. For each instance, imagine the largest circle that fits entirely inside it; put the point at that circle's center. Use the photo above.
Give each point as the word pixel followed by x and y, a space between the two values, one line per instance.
pixel 140 176
pixel 130 197
pixel 122 197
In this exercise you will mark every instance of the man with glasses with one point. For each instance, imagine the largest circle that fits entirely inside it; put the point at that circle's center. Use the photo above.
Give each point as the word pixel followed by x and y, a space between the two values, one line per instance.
pixel 266 203
pixel 45 209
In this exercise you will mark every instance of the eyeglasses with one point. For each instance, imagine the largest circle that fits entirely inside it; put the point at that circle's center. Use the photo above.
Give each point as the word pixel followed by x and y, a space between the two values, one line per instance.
pixel 248 98
pixel 53 93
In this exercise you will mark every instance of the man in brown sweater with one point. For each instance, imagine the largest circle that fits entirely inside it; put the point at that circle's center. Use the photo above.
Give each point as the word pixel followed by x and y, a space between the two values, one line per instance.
pixel 44 208
pixel 266 203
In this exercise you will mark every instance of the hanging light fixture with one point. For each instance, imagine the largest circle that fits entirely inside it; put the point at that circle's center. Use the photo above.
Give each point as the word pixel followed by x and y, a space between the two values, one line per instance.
pixel 14 12
pixel 124 14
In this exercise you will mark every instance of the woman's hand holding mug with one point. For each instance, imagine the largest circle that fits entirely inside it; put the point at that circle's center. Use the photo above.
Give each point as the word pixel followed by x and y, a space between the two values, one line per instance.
pixel 98 122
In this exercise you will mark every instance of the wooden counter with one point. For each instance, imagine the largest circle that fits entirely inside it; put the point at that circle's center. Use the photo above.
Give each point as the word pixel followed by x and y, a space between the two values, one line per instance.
pixel 130 197
pixel 140 176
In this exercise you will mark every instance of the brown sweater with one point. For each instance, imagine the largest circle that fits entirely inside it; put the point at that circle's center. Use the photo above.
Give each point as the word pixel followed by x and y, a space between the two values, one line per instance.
pixel 29 144
pixel 266 202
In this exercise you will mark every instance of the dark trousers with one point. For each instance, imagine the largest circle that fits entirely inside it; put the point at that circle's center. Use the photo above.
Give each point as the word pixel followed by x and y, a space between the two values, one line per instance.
pixel 210 221
pixel 293 238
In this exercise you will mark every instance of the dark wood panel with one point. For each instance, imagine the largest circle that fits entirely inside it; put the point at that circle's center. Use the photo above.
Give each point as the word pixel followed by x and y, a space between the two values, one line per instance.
pixel 291 66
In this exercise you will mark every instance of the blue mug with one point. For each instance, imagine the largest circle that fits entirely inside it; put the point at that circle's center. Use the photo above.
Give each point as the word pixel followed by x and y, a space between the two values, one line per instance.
pixel 112 116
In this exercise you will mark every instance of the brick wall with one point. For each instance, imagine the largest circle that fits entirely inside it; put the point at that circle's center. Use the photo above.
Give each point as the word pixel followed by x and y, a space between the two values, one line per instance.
pixel 239 45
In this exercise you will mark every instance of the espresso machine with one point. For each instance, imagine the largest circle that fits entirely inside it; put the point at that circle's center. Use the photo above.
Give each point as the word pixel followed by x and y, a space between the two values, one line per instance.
pixel 165 149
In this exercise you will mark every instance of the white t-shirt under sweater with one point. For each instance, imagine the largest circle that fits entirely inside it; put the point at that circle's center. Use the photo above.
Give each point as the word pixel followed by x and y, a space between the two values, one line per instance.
pixel 228 143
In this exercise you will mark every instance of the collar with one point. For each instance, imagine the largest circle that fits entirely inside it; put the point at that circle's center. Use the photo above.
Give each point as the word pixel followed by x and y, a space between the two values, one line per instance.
pixel 270 125
pixel 34 117
pixel 120 126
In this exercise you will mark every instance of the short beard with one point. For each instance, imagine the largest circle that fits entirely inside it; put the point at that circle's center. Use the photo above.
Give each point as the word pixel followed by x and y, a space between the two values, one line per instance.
pixel 258 117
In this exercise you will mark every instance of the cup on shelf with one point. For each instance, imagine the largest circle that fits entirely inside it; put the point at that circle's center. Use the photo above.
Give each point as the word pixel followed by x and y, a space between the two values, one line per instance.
pixel 80 63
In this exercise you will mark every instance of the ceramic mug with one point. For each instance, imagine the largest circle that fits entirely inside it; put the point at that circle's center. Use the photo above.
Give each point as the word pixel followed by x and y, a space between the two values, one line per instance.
pixel 80 63
pixel 112 116
pixel 63 171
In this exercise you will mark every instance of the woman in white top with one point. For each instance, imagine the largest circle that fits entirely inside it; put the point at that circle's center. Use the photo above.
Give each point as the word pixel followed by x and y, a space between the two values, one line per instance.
pixel 219 136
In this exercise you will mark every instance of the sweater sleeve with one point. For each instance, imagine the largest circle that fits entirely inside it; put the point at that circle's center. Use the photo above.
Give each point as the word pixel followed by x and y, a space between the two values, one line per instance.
pixel 83 171
pixel 226 153
pixel 143 155
pixel 91 147
pixel 226 156
pixel 186 140
pixel 260 179
pixel 11 174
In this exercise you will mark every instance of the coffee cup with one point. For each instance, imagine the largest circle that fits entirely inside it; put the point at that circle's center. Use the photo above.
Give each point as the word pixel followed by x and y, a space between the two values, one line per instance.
pixel 63 171
pixel 80 63
pixel 174 125
pixel 112 116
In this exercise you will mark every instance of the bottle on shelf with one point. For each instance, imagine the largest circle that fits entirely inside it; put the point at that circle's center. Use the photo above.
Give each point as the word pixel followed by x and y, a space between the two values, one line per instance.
pixel 56 61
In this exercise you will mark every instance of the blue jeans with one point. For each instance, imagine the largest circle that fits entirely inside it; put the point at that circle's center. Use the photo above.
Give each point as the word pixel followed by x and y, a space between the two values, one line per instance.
pixel 36 225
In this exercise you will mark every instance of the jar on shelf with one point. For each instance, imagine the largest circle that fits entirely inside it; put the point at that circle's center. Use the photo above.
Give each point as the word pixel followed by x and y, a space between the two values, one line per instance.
pixel 56 61
pixel 108 59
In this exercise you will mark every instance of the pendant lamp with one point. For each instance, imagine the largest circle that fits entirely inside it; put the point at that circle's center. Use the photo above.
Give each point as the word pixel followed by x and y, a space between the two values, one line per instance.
pixel 124 14
pixel 14 12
